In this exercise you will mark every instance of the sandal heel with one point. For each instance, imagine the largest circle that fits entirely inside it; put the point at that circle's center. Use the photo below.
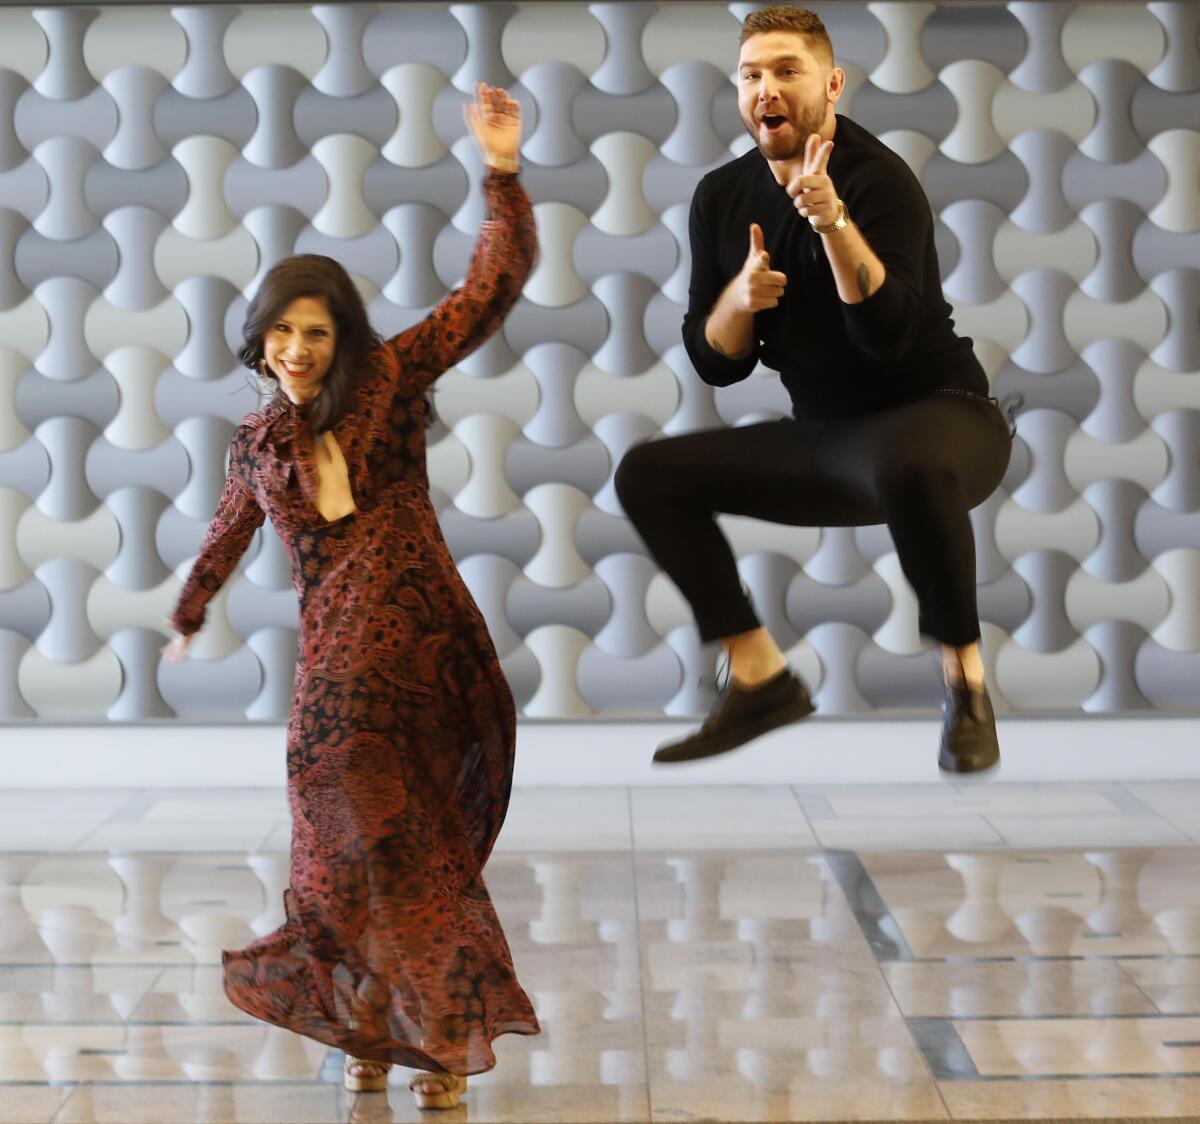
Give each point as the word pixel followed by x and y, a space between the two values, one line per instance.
pixel 375 1080
pixel 452 1088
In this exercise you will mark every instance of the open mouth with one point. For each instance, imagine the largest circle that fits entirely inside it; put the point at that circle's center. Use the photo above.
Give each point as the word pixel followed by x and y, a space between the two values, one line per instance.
pixel 774 122
pixel 297 372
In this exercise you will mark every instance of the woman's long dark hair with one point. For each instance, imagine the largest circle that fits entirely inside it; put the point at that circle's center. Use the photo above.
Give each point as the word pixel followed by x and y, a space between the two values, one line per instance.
pixel 314 275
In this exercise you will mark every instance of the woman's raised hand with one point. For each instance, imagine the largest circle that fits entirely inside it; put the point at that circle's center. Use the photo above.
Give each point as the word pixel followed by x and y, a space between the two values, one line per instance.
pixel 176 650
pixel 495 122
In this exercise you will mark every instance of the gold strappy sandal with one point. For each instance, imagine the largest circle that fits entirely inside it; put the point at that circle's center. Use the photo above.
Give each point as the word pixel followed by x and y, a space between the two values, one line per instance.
pixel 372 1077
pixel 452 1087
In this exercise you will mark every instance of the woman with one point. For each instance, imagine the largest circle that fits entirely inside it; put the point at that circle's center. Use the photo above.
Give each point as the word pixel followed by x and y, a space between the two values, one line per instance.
pixel 402 727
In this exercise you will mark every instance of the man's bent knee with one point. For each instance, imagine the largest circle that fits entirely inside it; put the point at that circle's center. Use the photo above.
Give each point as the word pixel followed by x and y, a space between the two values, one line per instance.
pixel 641 468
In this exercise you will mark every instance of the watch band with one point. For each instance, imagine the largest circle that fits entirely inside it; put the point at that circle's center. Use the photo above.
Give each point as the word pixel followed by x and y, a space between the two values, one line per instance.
pixel 840 223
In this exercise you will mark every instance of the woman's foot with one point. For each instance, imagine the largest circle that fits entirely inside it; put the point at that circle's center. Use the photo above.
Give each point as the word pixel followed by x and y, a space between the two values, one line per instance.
pixel 437 1090
pixel 363 1076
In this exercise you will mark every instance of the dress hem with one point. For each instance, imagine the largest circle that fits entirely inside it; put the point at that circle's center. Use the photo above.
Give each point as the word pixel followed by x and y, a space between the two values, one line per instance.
pixel 407 1056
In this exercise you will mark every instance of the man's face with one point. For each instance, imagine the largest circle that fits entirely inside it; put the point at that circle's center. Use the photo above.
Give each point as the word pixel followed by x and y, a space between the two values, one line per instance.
pixel 784 92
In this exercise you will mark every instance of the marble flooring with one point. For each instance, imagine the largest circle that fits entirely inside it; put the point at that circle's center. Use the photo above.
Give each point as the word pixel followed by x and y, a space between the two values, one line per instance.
pixel 694 953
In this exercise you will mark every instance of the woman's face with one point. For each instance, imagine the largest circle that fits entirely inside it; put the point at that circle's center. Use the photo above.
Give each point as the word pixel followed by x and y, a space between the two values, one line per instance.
pixel 299 347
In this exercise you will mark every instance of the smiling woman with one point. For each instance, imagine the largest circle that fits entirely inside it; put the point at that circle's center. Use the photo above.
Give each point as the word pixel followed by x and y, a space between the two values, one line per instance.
pixel 401 736
pixel 299 350
pixel 307 330
pixel 300 346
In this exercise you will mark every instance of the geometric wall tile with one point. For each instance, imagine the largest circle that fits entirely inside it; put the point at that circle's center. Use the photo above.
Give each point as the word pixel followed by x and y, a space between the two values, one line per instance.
pixel 1179 630
pixel 154 164
pixel 1031 680
pixel 1127 32
pixel 61 690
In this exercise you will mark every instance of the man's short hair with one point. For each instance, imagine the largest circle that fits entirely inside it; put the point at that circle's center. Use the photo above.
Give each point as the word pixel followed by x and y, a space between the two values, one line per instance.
pixel 787 17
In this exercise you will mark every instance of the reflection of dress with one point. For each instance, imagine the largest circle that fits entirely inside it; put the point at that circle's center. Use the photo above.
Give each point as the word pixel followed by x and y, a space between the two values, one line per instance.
pixel 401 734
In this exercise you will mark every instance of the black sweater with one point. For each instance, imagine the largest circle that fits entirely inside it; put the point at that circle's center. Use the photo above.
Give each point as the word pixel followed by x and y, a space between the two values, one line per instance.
pixel 835 359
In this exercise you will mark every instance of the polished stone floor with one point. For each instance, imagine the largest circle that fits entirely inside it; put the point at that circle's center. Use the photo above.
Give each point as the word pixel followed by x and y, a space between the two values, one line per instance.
pixel 701 953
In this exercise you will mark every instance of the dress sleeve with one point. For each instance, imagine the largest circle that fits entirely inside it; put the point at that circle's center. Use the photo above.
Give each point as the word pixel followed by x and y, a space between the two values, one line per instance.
pixel 706 285
pixel 893 215
pixel 466 317
pixel 238 517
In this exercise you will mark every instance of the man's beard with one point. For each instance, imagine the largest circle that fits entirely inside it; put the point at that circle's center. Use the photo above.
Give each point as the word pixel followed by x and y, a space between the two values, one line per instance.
pixel 805 120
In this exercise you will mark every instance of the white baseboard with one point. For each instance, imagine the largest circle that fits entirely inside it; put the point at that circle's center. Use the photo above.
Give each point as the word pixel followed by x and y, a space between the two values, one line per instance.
pixel 601 752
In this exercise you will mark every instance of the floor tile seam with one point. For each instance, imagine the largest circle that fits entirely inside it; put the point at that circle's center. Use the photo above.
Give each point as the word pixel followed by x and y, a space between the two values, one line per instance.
pixel 167 1082
pixel 134 807
pixel 1056 958
pixel 942 1050
pixel 1131 802
pixel 997 832
pixel 79 841
pixel 870 890
pixel 57 1115
pixel 879 967
pixel 217 1024
pixel 926 1032
pixel 142 999
pixel 258 847
pixel 33 965
pixel 1182 840
pixel 1028 1078
pixel 77 1023
pixel 1133 797
pixel 804 811
pixel 1126 974
pixel 1151 1017
pixel 147 964
pixel 637 928
pixel 1162 817
pixel 839 860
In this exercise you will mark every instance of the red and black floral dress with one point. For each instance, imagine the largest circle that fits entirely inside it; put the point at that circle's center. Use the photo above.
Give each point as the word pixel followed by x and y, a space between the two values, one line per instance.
pixel 400 740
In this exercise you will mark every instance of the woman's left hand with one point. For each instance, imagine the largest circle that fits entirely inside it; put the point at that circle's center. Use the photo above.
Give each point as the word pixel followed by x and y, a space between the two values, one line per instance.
pixel 495 122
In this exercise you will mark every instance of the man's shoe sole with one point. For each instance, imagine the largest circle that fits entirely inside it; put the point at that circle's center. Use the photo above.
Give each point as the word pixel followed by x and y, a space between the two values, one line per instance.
pixel 695 748
pixel 948 763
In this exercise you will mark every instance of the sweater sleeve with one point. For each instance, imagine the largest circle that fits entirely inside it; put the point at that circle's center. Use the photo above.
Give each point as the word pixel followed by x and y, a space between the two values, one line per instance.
pixel 705 287
pixel 500 265
pixel 238 516
pixel 891 211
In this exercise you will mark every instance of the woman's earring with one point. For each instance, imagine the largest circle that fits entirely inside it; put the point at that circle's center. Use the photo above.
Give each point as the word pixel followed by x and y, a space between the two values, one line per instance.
pixel 262 368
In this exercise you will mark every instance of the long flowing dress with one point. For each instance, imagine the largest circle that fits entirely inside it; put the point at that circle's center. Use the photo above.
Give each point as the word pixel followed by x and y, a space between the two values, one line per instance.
pixel 401 733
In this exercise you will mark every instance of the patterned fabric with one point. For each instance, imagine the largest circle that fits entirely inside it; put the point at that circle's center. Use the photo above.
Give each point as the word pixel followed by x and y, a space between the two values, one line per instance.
pixel 402 728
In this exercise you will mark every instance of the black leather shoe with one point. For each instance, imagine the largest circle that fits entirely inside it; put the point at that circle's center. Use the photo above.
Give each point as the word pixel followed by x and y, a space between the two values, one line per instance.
pixel 739 715
pixel 969 742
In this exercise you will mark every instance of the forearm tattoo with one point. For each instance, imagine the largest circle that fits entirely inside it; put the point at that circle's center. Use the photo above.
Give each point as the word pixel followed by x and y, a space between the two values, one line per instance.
pixel 724 352
pixel 863 277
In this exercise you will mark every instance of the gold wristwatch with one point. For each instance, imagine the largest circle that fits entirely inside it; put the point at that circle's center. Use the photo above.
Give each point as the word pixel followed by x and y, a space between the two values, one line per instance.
pixel 840 223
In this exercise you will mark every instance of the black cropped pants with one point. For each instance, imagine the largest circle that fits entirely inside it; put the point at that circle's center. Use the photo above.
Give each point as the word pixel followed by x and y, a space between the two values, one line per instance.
pixel 919 468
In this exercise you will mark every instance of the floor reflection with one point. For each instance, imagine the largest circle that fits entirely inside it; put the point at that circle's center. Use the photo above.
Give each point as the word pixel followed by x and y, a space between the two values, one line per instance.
pixel 748 983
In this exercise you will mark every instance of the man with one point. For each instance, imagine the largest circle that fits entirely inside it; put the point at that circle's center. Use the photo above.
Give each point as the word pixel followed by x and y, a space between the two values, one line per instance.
pixel 813 253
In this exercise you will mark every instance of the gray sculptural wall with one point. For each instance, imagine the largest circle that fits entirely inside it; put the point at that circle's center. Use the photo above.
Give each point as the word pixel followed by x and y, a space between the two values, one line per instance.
pixel 155 161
